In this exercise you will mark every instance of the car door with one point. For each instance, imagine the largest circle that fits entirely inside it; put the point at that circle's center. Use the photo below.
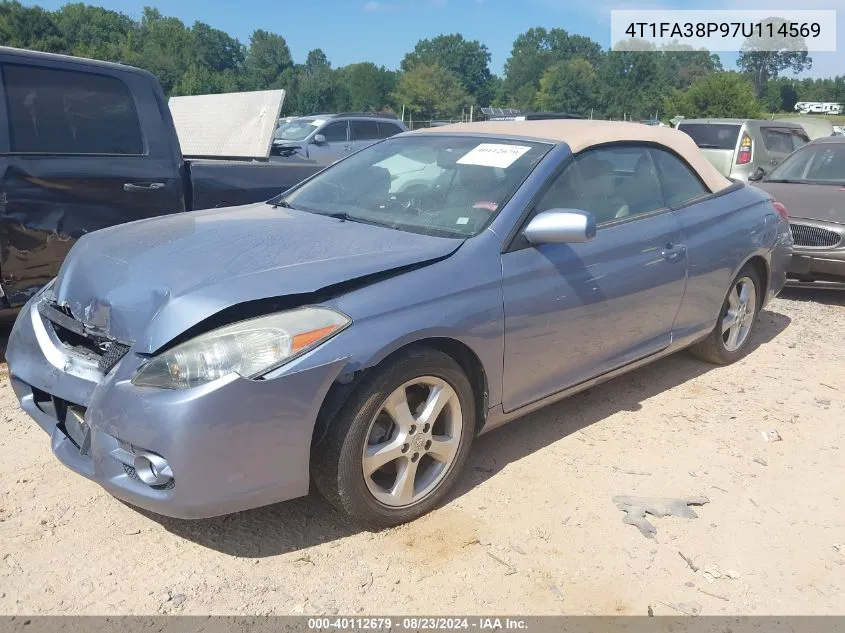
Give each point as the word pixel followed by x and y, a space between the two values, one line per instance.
pixel 335 146
pixel 715 232
pixel 362 132
pixel 575 311
pixel 87 148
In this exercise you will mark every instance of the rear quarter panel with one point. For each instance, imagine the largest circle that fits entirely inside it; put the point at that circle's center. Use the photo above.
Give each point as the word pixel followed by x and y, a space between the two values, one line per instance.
pixel 722 234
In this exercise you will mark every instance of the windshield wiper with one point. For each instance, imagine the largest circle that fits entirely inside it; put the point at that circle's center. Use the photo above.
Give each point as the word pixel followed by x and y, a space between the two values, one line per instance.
pixel 281 202
pixel 710 146
pixel 790 181
pixel 345 217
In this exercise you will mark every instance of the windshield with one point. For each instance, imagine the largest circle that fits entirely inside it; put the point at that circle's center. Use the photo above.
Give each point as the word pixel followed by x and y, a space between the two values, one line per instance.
pixel 822 164
pixel 712 135
pixel 437 185
pixel 297 130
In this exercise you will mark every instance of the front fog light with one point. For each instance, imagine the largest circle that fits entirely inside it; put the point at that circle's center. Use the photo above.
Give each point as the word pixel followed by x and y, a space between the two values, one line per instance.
pixel 152 469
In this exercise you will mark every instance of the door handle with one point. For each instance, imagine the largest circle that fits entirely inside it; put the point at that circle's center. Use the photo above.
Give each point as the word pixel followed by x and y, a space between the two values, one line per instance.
pixel 146 186
pixel 673 252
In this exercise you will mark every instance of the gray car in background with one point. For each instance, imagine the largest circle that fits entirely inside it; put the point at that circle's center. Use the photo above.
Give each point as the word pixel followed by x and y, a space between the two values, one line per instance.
pixel 739 148
pixel 361 329
pixel 325 138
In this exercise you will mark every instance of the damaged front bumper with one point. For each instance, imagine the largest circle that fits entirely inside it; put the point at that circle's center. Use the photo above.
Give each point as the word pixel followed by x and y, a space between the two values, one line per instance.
pixel 226 446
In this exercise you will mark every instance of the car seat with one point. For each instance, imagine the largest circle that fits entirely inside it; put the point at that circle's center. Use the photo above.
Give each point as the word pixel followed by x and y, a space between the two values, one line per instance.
pixel 641 190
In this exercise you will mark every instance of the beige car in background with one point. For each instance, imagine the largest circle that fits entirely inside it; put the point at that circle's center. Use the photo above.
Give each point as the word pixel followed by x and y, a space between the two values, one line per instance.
pixel 744 149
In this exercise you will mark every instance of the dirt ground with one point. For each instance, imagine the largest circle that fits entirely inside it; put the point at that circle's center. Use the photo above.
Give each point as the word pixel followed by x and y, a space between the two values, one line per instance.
pixel 532 528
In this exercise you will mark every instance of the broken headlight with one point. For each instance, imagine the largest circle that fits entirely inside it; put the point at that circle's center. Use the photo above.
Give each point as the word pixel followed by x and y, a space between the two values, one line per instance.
pixel 249 348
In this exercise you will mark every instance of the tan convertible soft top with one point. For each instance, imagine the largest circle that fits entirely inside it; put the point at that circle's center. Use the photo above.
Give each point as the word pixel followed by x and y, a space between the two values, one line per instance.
pixel 580 135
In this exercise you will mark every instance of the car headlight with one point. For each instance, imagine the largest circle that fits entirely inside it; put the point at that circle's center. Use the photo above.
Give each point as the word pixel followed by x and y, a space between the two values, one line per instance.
pixel 248 348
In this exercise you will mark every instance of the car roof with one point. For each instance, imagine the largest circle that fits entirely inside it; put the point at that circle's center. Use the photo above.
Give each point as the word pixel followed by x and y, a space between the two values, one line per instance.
pixel 24 53
pixel 352 115
pixel 777 123
pixel 584 134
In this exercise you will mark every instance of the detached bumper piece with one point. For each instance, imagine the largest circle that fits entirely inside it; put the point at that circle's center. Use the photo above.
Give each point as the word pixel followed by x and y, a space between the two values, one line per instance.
pixel 85 341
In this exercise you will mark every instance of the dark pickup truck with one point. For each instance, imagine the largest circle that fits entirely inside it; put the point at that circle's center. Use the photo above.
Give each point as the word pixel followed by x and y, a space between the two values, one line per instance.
pixel 86 145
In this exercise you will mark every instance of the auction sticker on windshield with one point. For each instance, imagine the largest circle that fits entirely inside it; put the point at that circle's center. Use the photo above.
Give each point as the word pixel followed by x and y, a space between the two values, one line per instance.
pixel 493 155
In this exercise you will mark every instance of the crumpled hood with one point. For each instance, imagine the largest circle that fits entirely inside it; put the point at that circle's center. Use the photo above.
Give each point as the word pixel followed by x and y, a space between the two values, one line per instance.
pixel 824 203
pixel 149 281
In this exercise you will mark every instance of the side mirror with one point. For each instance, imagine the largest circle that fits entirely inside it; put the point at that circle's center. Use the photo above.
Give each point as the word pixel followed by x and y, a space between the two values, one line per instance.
pixel 319 139
pixel 757 174
pixel 561 226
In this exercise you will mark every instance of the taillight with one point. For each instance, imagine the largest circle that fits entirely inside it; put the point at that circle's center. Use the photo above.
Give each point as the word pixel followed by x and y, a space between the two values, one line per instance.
pixel 781 210
pixel 743 157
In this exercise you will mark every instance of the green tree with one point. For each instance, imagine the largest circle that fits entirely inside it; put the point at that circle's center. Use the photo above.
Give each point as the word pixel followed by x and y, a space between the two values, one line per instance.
pixel 570 86
pixel 725 94
pixel 534 52
pixel 267 60
pixel 681 65
pixel 369 86
pixel 632 85
pixel 430 92
pixel 30 27
pixel 161 45
pixel 93 31
pixel 216 50
pixel 780 54
pixel 781 95
pixel 467 60
pixel 316 61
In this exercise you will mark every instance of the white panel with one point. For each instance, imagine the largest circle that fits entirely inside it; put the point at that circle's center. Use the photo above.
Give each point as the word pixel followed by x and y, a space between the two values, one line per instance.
pixel 232 125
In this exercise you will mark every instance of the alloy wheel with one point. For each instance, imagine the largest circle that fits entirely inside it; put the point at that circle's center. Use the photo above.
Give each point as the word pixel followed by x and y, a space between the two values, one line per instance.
pixel 412 441
pixel 740 314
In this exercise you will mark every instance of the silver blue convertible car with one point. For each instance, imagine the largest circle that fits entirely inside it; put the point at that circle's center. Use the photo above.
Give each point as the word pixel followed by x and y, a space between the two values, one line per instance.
pixel 361 329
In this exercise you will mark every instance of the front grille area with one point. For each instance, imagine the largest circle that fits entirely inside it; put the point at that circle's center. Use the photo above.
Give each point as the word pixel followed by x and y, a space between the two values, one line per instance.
pixel 806 235
pixel 74 335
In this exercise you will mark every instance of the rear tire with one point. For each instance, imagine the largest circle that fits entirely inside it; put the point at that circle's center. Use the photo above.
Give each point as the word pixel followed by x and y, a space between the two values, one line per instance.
pixel 730 340
pixel 411 419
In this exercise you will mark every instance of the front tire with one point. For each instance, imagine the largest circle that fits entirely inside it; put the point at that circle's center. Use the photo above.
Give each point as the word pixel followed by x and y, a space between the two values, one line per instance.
pixel 400 441
pixel 730 340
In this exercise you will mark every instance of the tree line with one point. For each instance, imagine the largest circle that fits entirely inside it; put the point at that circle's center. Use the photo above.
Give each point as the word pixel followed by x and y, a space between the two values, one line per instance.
pixel 547 70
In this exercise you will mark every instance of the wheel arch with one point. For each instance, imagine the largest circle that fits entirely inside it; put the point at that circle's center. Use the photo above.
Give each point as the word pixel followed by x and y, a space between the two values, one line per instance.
pixel 761 267
pixel 459 351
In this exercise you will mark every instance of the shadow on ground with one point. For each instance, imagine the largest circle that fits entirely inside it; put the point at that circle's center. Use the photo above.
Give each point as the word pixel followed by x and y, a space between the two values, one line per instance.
pixel 302 523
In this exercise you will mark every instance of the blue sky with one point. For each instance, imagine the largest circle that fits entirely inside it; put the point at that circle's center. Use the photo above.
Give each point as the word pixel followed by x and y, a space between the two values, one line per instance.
pixel 382 31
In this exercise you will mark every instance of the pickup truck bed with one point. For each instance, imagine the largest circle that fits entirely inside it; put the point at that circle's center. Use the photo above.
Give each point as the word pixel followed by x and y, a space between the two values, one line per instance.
pixel 85 145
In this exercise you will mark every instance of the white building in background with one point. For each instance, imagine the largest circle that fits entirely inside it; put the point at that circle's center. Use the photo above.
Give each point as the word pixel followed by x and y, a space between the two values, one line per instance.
pixel 819 107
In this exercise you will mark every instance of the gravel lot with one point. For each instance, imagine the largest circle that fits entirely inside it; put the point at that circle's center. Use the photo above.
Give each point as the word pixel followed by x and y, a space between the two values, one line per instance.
pixel 532 528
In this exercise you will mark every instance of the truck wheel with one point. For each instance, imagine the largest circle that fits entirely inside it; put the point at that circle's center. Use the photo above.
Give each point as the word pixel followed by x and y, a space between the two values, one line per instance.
pixel 400 441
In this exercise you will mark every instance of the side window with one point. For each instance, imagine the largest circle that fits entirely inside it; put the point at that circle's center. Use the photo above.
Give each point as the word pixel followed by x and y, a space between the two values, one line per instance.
pixel 799 139
pixel 335 132
pixel 777 140
pixel 680 184
pixel 363 130
pixel 611 182
pixel 386 130
pixel 66 112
